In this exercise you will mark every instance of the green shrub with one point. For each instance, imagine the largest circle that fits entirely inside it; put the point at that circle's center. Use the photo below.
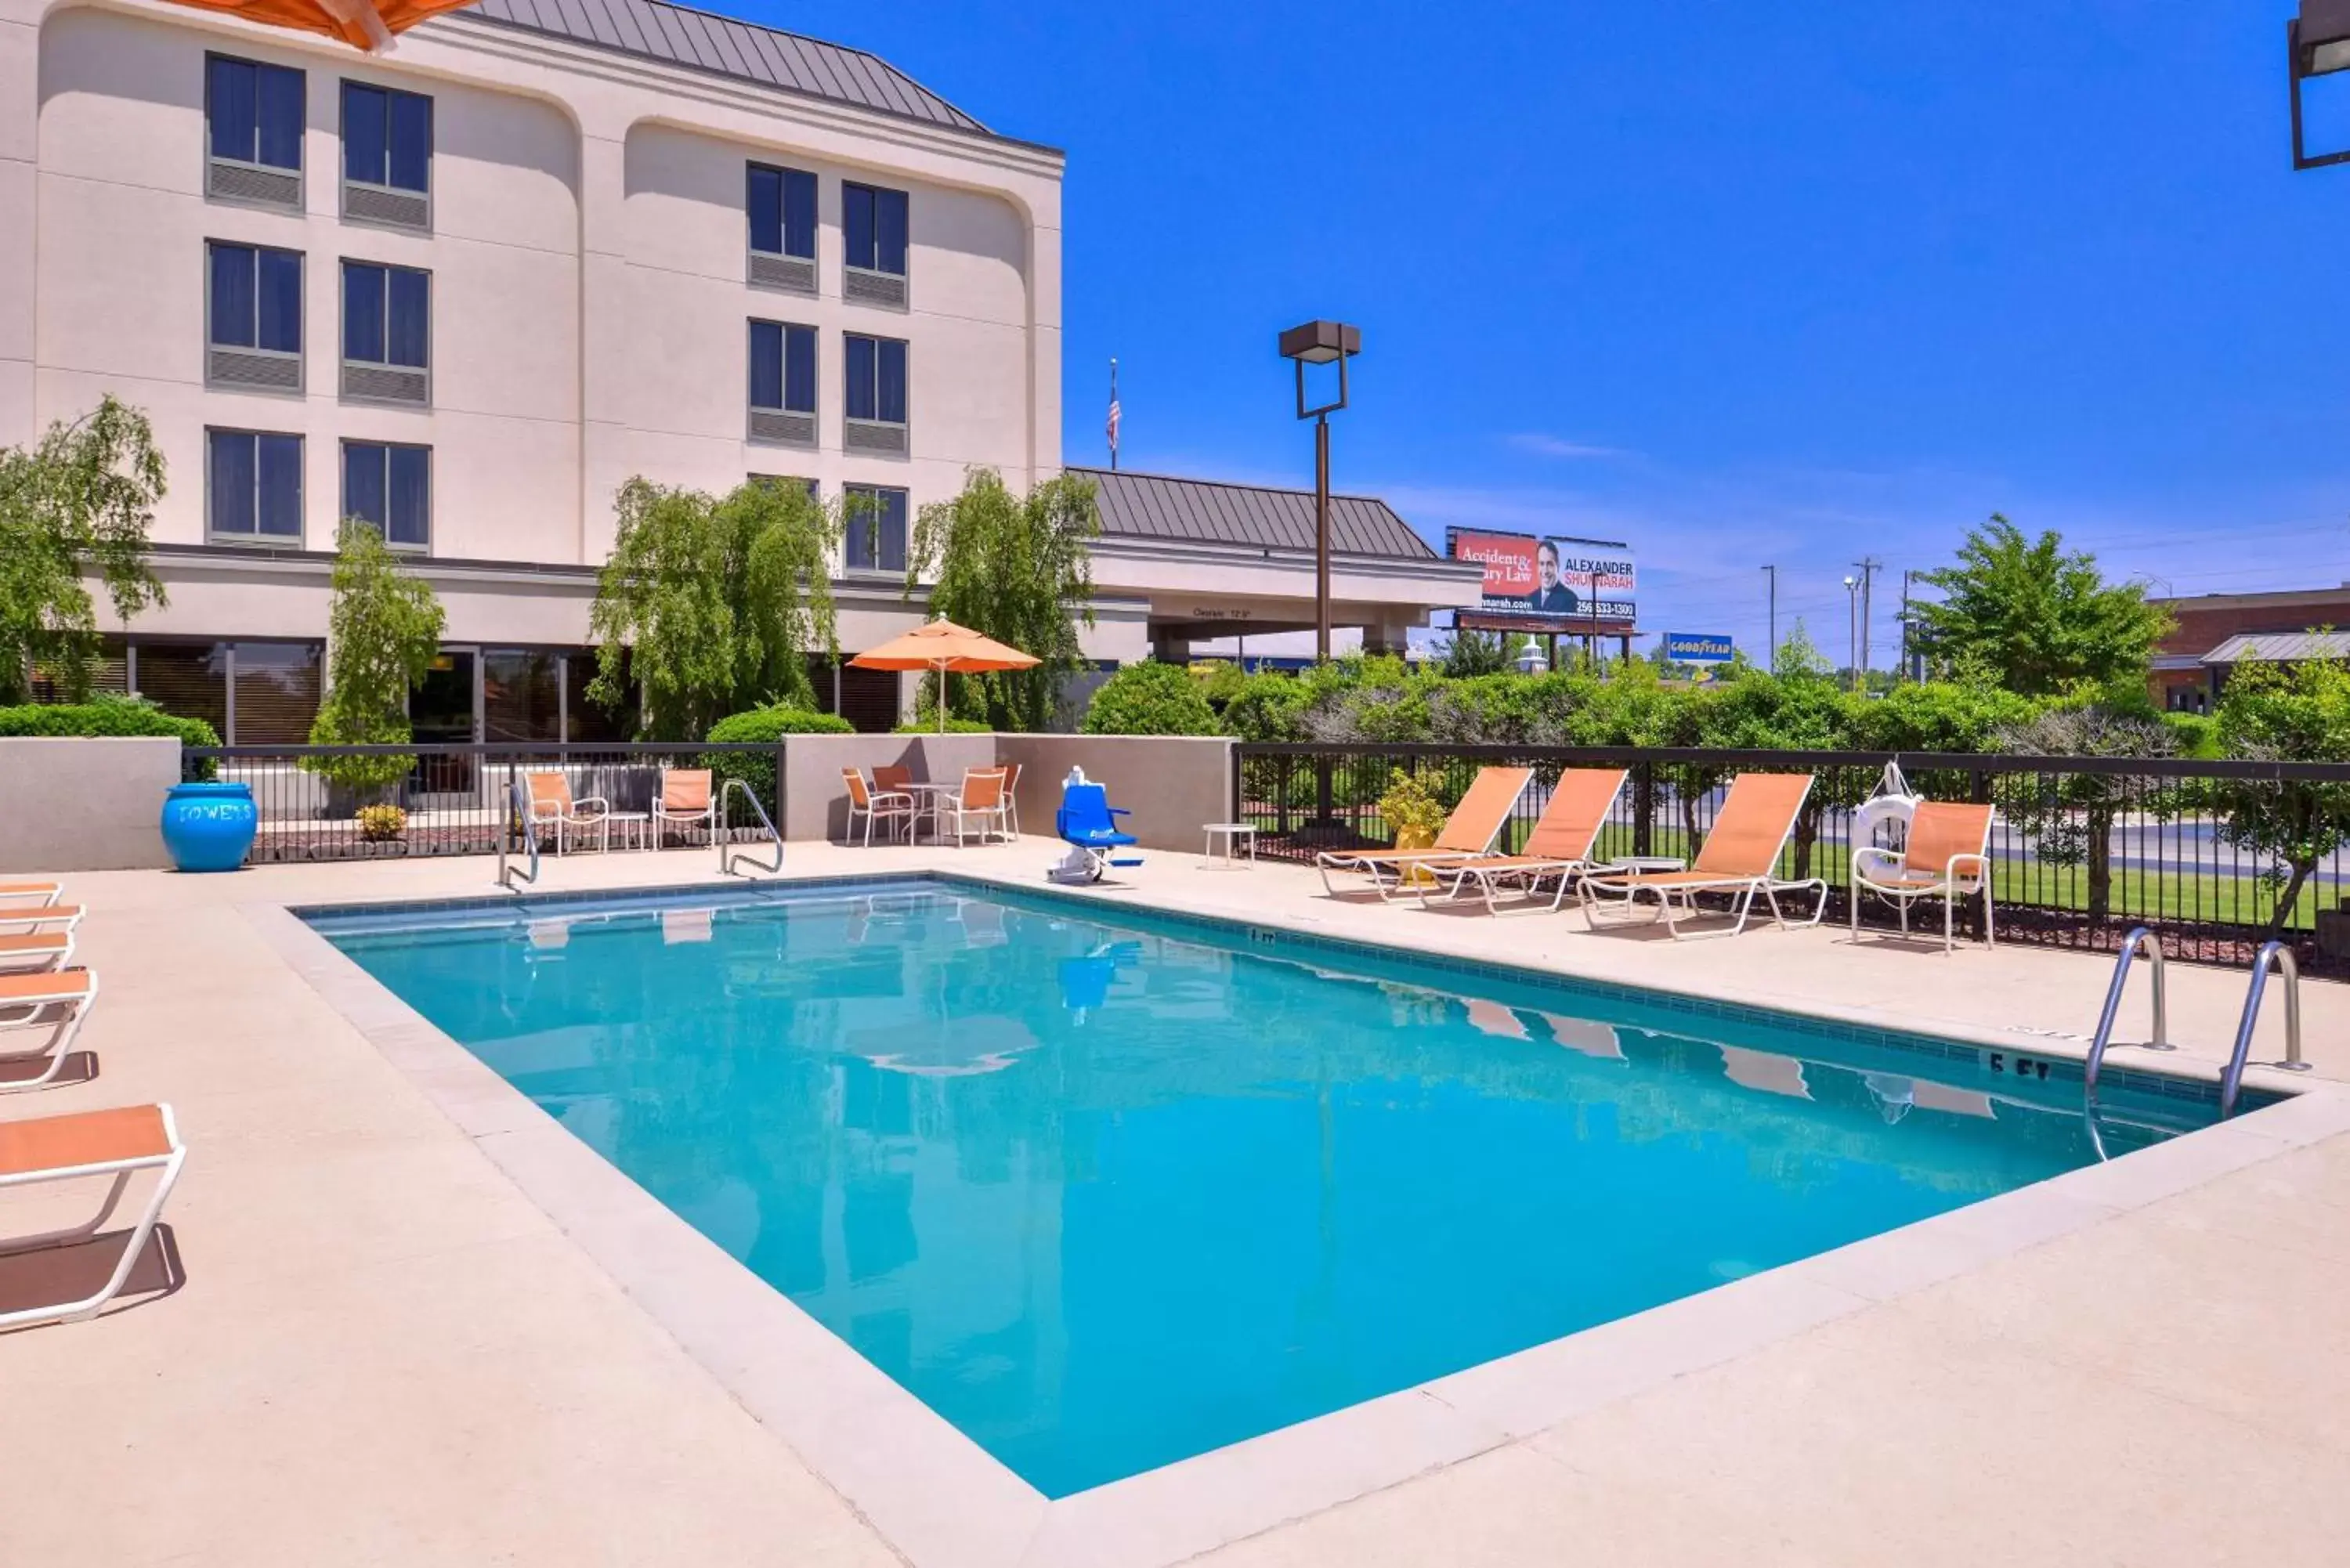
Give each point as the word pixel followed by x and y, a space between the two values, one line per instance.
pixel 107 716
pixel 1150 700
pixel 2198 733
pixel 381 823
pixel 763 726
pixel 928 724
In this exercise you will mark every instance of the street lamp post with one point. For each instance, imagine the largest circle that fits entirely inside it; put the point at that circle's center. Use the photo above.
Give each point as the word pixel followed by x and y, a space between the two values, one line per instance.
pixel 1852 627
pixel 1319 343
pixel 2317 44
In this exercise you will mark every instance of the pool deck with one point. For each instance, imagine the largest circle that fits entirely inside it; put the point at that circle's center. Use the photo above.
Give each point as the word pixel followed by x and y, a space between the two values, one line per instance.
pixel 385 1350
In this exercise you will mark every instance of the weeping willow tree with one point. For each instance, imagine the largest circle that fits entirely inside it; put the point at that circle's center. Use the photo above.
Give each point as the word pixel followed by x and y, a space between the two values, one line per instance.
pixel 711 604
pixel 76 506
pixel 1015 568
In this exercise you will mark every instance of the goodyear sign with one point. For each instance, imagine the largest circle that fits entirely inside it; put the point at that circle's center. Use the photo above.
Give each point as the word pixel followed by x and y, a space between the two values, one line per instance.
pixel 1698 648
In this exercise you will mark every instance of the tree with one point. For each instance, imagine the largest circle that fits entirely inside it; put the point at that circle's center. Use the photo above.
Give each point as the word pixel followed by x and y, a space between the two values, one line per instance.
pixel 1150 699
pixel 1015 568
pixel 76 506
pixel 2071 817
pixel 382 631
pixel 1471 653
pixel 713 603
pixel 2038 618
pixel 2286 714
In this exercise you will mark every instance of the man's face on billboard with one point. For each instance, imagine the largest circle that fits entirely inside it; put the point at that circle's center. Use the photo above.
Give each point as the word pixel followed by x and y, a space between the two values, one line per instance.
pixel 1546 566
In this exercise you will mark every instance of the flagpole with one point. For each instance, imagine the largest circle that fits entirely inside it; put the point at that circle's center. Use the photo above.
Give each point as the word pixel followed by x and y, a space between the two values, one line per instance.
pixel 1113 403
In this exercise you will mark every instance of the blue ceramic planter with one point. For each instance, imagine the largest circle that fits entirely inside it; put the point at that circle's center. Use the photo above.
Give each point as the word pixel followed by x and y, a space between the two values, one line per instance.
pixel 209 827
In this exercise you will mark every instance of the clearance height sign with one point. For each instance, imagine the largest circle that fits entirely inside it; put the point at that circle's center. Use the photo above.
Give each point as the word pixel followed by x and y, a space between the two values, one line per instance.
pixel 1548 582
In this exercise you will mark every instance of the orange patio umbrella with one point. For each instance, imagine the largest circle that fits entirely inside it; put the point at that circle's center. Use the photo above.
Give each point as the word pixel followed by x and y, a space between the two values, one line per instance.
pixel 947 649
pixel 363 24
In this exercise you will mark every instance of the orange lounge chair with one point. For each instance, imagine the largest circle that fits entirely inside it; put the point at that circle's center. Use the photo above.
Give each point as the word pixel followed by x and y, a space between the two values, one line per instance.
pixel 1560 844
pixel 34 950
pixel 1740 858
pixel 13 894
pixel 684 802
pixel 57 1002
pixel 39 917
pixel 1948 856
pixel 119 1144
pixel 1469 834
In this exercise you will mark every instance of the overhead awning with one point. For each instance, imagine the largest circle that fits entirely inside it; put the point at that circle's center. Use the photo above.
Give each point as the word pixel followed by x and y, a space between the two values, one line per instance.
pixel 2284 646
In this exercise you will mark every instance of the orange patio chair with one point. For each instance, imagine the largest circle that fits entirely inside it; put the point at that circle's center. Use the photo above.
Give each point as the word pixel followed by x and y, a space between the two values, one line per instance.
pixel 118 1144
pixel 1947 856
pixel 1559 846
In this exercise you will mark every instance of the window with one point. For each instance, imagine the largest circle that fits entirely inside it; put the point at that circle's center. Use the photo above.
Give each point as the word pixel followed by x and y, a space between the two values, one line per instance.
pixel 273 692
pixel 584 718
pixel 187 679
pixel 876 400
pixel 254 111
pixel 253 486
pixel 808 484
pixel 253 317
pixel 387 328
pixel 391 487
pixel 522 695
pixel 782 205
pixel 253 118
pixel 387 155
pixel 783 383
pixel 876 529
pixel 783 367
pixel 877 379
pixel 873 224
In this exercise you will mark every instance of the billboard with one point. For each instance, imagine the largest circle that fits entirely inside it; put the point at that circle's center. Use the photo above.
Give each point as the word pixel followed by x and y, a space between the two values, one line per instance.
pixel 1548 582
pixel 1699 648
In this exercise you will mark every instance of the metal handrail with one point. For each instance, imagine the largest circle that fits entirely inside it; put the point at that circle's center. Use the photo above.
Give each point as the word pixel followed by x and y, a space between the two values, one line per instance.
pixel 518 811
pixel 727 851
pixel 2139 938
pixel 2232 1081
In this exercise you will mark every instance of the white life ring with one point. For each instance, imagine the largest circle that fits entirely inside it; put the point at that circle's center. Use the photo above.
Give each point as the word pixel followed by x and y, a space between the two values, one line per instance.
pixel 1882 821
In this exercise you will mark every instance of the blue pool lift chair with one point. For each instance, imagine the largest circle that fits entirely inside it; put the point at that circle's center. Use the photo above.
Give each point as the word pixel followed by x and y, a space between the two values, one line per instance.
pixel 1087 824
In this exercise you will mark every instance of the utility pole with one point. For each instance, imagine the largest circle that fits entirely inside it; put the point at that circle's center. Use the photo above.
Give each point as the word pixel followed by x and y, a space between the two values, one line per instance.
pixel 1868 567
pixel 1907 672
pixel 1771 655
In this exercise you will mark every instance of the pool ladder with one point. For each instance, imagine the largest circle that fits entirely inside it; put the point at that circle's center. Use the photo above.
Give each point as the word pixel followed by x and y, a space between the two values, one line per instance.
pixel 727 851
pixel 2272 955
pixel 517 816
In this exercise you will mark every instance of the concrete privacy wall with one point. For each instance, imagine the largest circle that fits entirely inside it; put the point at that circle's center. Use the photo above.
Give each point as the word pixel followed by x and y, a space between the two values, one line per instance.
pixel 1171 784
pixel 84 805
pixel 815 801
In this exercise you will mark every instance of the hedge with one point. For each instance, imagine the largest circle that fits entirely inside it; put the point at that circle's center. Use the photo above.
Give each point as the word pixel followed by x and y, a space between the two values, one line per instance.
pixel 763 726
pixel 929 726
pixel 1151 699
pixel 82 720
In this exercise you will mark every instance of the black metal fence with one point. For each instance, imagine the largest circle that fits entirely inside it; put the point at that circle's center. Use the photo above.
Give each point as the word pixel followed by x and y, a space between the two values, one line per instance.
pixel 357 803
pixel 2082 848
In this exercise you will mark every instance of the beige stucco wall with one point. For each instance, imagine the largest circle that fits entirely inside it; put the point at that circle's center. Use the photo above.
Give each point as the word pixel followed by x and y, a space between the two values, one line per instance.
pixel 815 801
pixel 84 804
pixel 1172 783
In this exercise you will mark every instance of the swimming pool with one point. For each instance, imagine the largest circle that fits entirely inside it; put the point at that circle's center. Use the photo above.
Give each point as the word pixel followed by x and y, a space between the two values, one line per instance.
pixel 1107 1189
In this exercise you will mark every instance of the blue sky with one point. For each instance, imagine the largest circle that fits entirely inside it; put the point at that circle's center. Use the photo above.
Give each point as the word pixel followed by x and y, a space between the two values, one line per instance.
pixel 1736 284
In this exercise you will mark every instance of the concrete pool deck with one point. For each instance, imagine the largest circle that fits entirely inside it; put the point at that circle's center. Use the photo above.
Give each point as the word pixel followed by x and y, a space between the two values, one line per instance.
pixel 384 1350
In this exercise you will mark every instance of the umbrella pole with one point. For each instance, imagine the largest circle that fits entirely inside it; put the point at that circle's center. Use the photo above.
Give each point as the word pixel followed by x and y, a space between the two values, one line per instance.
pixel 942 696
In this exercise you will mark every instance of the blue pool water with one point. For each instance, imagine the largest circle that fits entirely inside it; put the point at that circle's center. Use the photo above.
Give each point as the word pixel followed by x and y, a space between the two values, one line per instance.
pixel 1109 1189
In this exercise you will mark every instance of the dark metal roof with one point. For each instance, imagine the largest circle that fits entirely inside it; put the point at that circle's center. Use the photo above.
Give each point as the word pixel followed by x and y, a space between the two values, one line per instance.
pixel 1158 506
pixel 659 31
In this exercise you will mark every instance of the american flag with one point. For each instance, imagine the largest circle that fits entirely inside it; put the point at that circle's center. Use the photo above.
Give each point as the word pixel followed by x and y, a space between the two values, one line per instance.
pixel 1110 426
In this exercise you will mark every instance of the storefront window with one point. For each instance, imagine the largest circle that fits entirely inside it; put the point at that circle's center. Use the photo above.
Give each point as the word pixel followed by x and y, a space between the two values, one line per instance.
pixel 109 672
pixel 589 720
pixel 277 691
pixel 188 678
pixel 521 693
